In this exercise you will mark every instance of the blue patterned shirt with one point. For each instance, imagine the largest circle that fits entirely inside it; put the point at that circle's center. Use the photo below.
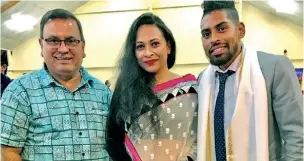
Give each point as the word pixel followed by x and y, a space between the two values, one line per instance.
pixel 49 122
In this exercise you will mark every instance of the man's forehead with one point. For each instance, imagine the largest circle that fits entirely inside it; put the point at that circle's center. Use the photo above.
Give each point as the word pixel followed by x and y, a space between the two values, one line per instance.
pixel 61 22
pixel 61 27
pixel 214 18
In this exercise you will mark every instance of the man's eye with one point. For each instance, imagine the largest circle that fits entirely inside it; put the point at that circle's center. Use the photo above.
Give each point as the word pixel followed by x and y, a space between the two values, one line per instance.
pixel 52 40
pixel 70 41
pixel 206 35
pixel 222 29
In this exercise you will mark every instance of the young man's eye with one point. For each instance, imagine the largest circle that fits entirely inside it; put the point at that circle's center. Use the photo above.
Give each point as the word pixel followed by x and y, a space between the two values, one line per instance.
pixel 206 35
pixel 222 29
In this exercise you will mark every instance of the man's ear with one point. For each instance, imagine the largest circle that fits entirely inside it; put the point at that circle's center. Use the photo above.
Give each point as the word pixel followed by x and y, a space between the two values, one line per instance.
pixel 41 46
pixel 242 30
pixel 83 47
pixel 40 43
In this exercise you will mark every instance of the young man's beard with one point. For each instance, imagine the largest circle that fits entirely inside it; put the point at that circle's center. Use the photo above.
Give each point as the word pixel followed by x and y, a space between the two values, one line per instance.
pixel 223 59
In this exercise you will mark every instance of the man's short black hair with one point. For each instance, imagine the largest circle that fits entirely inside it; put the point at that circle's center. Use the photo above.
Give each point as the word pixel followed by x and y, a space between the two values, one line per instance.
pixel 59 13
pixel 4 59
pixel 228 6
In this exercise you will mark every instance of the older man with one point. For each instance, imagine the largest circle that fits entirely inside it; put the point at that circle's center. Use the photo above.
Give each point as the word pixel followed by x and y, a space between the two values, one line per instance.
pixel 59 111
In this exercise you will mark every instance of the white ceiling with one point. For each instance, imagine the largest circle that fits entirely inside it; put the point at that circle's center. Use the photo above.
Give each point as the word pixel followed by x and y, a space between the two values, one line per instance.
pixel 296 18
pixel 11 39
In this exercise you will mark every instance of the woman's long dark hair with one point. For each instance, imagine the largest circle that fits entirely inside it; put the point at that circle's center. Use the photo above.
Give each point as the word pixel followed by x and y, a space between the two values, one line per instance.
pixel 134 86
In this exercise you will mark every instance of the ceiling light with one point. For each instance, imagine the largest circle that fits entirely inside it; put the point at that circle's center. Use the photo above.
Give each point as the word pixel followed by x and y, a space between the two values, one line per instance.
pixel 20 22
pixel 285 6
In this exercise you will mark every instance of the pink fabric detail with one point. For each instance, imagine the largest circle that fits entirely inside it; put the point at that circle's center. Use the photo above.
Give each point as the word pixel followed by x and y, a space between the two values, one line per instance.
pixel 132 149
pixel 173 82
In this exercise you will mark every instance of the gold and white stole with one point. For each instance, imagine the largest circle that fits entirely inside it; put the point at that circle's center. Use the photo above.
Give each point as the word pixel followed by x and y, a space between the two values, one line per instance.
pixel 247 134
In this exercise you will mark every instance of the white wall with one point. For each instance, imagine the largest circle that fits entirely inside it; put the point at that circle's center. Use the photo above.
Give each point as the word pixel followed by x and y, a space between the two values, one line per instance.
pixel 272 34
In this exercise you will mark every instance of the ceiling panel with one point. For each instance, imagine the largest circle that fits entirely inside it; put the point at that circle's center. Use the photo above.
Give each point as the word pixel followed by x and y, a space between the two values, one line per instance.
pixel 11 39
pixel 296 18
pixel 4 2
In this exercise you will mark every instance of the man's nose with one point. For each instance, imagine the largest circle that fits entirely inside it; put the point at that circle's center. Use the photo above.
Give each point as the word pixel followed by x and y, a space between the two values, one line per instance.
pixel 62 47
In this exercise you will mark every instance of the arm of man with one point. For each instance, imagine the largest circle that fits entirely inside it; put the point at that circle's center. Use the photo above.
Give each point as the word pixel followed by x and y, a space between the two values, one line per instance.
pixel 10 153
pixel 15 112
pixel 287 102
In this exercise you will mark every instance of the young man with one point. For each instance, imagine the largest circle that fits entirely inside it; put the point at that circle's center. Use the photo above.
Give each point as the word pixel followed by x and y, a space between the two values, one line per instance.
pixel 250 103
pixel 58 112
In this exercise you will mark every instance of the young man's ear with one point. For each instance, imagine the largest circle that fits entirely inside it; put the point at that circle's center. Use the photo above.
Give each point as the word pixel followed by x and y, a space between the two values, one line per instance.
pixel 242 30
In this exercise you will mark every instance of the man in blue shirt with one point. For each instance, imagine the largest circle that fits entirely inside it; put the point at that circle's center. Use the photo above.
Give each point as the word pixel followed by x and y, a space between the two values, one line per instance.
pixel 58 112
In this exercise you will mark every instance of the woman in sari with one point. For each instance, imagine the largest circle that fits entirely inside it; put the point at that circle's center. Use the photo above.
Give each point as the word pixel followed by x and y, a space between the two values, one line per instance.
pixel 153 112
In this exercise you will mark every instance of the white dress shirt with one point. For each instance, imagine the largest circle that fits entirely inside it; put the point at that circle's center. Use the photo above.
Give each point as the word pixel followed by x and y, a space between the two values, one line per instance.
pixel 230 91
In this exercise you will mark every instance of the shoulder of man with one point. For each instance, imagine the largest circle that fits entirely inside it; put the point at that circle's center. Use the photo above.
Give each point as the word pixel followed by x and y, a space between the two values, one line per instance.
pixel 16 89
pixel 103 89
pixel 266 59
pixel 28 77
pixel 99 85
pixel 269 61
pixel 25 81
pixel 5 79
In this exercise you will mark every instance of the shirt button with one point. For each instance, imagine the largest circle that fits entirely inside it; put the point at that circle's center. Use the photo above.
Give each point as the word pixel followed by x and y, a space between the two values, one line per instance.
pixel 80 133
pixel 77 113
pixel 82 154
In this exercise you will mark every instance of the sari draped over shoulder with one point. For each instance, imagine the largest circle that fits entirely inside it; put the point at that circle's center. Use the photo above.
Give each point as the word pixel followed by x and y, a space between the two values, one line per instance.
pixel 168 131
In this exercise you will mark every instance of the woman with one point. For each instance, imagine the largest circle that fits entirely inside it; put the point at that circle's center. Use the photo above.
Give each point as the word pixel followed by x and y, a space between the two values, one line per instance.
pixel 153 111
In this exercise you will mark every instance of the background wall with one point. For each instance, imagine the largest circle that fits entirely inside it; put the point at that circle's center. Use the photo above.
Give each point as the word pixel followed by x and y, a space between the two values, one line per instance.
pixel 106 23
pixel 273 34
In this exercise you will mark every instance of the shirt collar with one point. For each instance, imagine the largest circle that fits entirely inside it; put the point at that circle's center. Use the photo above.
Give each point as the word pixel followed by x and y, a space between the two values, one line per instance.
pixel 48 79
pixel 234 66
pixel 86 78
